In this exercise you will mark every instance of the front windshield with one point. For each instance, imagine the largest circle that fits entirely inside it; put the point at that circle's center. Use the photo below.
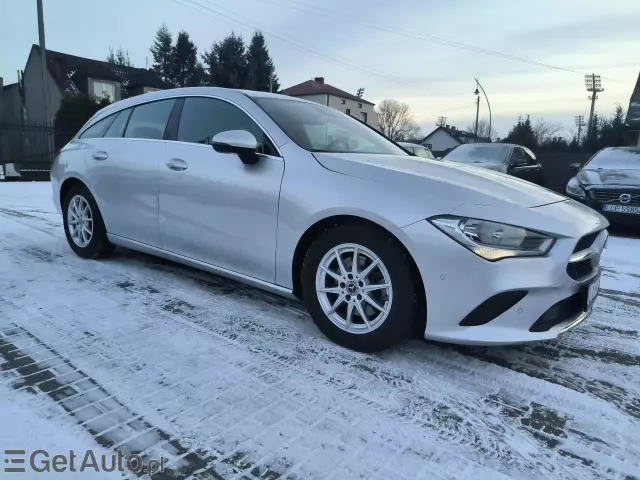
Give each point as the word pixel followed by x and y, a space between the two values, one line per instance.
pixel 479 154
pixel 318 128
pixel 615 159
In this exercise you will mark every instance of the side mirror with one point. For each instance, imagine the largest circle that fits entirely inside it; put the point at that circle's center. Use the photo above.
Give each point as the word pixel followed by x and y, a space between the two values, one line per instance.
pixel 240 142
pixel 575 166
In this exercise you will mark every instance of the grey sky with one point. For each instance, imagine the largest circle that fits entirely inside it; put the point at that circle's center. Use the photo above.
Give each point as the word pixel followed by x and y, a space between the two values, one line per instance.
pixel 586 36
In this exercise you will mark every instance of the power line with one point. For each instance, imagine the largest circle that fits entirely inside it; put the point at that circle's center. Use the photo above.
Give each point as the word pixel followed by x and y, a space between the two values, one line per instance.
pixel 409 33
pixel 234 20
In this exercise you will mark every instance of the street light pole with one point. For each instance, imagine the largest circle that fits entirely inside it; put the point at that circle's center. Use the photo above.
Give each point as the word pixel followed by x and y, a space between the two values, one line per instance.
pixel 477 93
pixel 488 105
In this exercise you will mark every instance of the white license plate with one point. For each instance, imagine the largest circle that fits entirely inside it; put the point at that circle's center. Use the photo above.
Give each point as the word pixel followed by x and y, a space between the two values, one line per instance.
pixel 592 293
pixel 621 209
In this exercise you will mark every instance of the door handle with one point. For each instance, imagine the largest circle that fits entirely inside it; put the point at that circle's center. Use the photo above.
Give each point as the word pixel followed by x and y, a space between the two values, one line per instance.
pixel 177 164
pixel 100 156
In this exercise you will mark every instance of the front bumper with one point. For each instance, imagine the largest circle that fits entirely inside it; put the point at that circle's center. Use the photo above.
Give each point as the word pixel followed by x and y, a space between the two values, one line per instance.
pixel 458 283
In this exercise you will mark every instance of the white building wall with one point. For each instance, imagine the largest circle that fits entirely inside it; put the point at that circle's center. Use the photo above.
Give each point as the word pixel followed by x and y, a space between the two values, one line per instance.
pixel 355 110
pixel 440 141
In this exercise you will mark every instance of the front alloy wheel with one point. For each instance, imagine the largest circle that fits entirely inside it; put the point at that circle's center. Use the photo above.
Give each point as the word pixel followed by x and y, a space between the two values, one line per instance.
pixel 354 288
pixel 359 287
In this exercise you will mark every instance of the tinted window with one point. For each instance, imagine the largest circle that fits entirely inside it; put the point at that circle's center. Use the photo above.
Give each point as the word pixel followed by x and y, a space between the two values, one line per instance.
pixel 116 129
pixel 472 153
pixel 149 120
pixel 518 157
pixel 322 129
pixel 97 129
pixel 203 118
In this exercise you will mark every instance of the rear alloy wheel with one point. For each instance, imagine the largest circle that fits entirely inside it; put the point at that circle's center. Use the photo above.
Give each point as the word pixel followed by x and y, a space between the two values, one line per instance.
pixel 83 224
pixel 358 287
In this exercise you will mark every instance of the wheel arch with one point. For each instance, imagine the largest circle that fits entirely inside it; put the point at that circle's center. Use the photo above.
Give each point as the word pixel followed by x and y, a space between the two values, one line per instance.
pixel 66 185
pixel 326 223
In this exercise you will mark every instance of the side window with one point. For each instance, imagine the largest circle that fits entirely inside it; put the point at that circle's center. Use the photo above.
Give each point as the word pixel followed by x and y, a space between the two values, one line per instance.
pixel 203 118
pixel 518 157
pixel 116 129
pixel 97 129
pixel 149 120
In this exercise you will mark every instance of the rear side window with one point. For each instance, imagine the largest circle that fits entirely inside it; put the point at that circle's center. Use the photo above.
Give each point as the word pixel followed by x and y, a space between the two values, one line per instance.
pixel 150 120
pixel 97 129
pixel 116 129
pixel 203 118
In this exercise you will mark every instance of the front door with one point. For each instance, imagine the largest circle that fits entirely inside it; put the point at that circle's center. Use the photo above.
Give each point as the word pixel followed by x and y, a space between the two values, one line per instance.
pixel 122 170
pixel 525 166
pixel 214 208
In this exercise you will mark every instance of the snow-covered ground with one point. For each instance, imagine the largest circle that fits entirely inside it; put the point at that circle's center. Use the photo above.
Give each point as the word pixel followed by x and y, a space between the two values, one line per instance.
pixel 228 382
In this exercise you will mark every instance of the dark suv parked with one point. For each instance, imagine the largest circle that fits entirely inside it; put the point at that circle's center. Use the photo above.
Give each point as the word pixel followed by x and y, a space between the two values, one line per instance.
pixel 610 183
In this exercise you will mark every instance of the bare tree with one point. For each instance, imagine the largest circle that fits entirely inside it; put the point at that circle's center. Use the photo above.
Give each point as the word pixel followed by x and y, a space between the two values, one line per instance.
pixel 395 120
pixel 119 56
pixel 545 131
pixel 483 130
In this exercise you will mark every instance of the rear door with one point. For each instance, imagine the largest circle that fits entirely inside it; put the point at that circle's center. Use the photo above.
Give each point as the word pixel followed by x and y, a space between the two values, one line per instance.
pixel 122 170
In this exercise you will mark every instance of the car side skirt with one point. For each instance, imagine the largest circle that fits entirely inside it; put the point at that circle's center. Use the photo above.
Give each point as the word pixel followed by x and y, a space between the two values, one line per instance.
pixel 223 272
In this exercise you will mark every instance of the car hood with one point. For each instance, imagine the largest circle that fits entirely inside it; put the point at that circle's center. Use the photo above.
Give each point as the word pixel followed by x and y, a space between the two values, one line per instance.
pixel 627 178
pixel 450 180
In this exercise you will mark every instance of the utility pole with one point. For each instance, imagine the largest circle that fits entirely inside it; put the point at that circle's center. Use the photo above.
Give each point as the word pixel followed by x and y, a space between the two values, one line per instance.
pixel 442 121
pixel 594 85
pixel 43 61
pixel 580 124
pixel 271 83
pixel 477 93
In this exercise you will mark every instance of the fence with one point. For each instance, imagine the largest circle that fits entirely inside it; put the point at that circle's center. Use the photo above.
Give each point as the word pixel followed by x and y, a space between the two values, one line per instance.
pixel 556 168
pixel 30 148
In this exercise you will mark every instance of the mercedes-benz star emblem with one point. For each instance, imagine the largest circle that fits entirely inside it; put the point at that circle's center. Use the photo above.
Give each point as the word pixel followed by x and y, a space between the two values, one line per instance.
pixel 625 198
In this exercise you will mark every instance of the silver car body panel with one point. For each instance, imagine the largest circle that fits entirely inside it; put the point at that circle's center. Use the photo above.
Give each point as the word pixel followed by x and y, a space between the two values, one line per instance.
pixel 246 221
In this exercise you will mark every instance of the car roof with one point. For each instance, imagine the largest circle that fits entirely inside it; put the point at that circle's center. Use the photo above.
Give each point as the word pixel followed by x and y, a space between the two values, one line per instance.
pixel 229 93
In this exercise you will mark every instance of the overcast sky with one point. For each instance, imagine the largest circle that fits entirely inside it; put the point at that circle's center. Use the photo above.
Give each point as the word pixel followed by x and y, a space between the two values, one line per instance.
pixel 333 40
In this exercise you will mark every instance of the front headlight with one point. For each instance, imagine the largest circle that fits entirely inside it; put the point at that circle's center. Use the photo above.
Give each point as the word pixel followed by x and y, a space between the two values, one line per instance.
pixel 575 189
pixel 494 241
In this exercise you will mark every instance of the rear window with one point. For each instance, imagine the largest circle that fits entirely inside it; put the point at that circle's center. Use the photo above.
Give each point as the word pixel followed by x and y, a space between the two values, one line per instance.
pixel 116 129
pixel 150 120
pixel 97 129
pixel 479 154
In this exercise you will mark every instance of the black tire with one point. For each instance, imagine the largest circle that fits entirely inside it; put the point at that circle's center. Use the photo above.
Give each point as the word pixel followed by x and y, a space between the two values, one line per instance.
pixel 99 245
pixel 405 305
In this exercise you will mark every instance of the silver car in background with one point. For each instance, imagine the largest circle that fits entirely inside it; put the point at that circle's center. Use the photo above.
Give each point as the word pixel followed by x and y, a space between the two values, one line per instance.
pixel 304 201
pixel 417 150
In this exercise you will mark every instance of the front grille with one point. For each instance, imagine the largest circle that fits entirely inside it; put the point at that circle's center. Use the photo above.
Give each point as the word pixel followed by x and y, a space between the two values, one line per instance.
pixel 586 241
pixel 612 197
pixel 581 269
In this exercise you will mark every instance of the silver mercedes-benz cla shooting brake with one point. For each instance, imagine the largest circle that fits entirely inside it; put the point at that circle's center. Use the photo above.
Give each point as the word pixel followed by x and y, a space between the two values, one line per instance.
pixel 302 200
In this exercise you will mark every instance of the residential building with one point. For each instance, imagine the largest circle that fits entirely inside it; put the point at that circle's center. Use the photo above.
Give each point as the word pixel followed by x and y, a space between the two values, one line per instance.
pixel 633 117
pixel 318 91
pixel 444 139
pixel 72 74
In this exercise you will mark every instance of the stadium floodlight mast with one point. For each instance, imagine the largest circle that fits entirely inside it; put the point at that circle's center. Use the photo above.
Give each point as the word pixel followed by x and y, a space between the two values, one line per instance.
pixel 593 83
